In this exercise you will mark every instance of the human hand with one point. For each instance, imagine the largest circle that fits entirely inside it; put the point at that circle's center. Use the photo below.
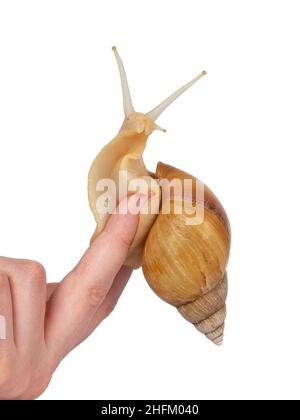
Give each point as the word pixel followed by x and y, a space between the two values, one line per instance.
pixel 41 323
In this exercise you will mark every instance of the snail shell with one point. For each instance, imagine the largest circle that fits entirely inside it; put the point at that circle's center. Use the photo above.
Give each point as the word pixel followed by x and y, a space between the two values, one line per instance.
pixel 185 264
pixel 188 269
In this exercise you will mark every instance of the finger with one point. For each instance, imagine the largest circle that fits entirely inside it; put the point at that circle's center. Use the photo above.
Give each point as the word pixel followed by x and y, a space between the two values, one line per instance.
pixel 111 299
pixel 6 315
pixel 28 289
pixel 78 297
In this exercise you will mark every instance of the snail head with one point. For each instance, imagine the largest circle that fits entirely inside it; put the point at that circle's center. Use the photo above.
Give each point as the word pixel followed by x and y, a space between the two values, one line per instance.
pixel 138 121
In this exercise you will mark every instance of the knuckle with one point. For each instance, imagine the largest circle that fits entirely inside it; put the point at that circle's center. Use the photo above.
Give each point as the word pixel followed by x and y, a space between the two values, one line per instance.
pixel 34 270
pixel 95 296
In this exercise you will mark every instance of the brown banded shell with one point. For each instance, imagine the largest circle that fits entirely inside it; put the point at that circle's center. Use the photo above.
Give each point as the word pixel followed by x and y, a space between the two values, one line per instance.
pixel 188 269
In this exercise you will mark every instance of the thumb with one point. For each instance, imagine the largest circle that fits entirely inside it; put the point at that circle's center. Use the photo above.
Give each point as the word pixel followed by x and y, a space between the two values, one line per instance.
pixel 77 298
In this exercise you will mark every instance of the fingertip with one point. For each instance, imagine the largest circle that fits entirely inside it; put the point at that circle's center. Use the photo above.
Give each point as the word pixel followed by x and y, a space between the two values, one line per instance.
pixel 124 222
pixel 132 204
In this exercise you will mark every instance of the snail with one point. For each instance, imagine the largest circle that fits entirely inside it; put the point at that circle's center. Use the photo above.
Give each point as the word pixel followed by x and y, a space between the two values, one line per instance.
pixel 184 263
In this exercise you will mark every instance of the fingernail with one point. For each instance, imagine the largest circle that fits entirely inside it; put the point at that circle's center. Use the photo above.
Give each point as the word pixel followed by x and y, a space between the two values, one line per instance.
pixel 133 204
pixel 136 202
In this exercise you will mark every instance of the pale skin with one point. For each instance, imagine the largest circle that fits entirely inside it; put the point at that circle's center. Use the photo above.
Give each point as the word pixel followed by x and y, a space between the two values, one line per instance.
pixel 44 322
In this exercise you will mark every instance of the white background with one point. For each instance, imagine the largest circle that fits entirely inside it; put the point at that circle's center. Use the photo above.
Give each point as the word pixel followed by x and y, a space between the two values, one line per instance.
pixel 237 130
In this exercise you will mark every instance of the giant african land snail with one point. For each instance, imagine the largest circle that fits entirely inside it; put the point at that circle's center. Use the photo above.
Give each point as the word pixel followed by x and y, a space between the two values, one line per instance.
pixel 185 264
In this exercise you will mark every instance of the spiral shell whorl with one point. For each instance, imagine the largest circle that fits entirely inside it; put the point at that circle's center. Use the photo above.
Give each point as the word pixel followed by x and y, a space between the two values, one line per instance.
pixel 208 312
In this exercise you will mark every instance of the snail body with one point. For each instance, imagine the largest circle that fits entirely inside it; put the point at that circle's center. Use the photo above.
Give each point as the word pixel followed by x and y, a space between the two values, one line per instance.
pixel 184 264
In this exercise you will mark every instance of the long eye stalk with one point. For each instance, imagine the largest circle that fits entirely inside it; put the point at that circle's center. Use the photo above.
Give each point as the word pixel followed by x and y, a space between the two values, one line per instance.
pixel 127 102
pixel 155 113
